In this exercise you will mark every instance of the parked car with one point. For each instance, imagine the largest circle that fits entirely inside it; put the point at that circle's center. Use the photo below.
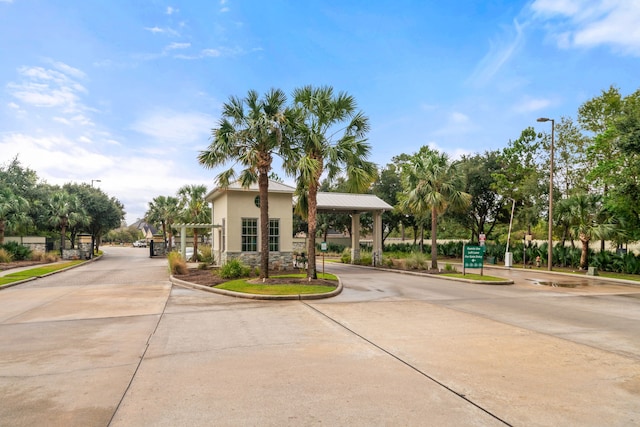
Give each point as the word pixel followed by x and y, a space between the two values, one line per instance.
pixel 140 244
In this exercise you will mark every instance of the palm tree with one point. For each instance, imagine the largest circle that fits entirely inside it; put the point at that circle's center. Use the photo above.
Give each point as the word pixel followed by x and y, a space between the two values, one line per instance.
pixel 194 209
pixel 13 210
pixel 432 185
pixel 585 216
pixel 331 137
pixel 64 210
pixel 163 210
pixel 251 132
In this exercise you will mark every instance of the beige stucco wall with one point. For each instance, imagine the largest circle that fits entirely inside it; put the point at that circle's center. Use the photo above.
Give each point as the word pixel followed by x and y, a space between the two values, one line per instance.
pixel 235 205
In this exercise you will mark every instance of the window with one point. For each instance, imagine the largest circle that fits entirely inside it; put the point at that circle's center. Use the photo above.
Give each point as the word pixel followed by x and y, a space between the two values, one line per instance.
pixel 274 235
pixel 249 234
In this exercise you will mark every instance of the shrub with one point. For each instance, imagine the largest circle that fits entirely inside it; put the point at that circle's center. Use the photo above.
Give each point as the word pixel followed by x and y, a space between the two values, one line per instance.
pixel 450 268
pixel 345 258
pixel 234 269
pixel 366 258
pixel 416 261
pixel 177 264
pixel 205 254
pixel 5 256
pixel 17 251
pixel 387 261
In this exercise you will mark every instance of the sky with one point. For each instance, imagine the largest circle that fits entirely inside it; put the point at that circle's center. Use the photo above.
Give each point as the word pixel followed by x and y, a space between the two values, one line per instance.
pixel 127 92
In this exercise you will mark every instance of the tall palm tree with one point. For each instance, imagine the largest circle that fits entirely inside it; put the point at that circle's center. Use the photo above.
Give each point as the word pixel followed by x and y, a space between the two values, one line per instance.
pixel 13 210
pixel 331 136
pixel 64 210
pixel 586 219
pixel 251 132
pixel 432 184
pixel 163 210
pixel 194 209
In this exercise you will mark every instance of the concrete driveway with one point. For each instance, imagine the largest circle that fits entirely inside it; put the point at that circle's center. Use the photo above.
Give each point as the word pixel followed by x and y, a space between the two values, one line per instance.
pixel 111 343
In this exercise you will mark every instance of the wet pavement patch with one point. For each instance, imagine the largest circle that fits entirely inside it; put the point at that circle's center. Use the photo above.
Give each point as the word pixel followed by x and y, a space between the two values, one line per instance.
pixel 558 284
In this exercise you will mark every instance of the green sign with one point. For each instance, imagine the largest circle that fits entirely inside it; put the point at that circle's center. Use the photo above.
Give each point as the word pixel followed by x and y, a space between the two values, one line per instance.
pixel 473 256
pixel 323 246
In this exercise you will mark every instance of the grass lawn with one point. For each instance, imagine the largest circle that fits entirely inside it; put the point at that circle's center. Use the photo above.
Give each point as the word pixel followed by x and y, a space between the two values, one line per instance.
pixel 35 272
pixel 241 285
pixel 474 276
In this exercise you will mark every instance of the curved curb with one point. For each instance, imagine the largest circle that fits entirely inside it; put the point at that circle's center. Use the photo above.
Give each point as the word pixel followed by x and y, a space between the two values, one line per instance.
pixel 30 279
pixel 439 276
pixel 185 284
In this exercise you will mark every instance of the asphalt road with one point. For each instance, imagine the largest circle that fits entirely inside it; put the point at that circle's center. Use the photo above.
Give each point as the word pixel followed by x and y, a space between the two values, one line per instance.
pixel 112 343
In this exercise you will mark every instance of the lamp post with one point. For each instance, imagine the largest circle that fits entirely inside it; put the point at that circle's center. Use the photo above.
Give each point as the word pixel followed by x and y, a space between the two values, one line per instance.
pixel 94 180
pixel 550 248
pixel 508 257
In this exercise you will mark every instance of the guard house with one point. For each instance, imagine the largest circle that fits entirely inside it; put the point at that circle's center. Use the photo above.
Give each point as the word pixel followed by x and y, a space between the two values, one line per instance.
pixel 236 213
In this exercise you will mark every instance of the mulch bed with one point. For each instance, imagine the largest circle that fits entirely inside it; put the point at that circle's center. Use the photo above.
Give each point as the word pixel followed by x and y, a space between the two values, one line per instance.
pixel 209 278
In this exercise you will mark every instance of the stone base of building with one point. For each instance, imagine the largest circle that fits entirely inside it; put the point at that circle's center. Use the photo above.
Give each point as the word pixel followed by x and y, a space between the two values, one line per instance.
pixel 277 260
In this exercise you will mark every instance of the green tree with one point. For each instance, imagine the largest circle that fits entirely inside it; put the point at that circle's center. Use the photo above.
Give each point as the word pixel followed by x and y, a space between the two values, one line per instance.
pixel 194 209
pixel 487 207
pixel 331 136
pixel 521 177
pixel 251 132
pixel 13 211
pixel 433 184
pixel 64 210
pixel 163 211
pixel 587 222
pixel 388 186
pixel 104 213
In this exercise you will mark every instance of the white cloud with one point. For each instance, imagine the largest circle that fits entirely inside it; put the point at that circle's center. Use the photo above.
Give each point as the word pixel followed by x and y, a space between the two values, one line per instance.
pixel 41 87
pixel 174 127
pixel 171 10
pixel 13 105
pixel 589 23
pixel 529 105
pixel 158 30
pixel 500 52
pixel 457 118
pixel 455 154
pixel 174 46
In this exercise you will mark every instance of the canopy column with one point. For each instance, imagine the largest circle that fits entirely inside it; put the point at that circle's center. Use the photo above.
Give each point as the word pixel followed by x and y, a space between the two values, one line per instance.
pixel 377 237
pixel 355 237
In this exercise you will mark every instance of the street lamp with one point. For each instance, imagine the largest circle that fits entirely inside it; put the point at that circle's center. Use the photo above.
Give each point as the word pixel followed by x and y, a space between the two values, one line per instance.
pixel 94 180
pixel 550 248
pixel 508 256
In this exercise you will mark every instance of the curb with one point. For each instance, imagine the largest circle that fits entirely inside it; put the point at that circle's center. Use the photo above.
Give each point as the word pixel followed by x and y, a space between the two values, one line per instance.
pixel 19 282
pixel 299 297
pixel 439 276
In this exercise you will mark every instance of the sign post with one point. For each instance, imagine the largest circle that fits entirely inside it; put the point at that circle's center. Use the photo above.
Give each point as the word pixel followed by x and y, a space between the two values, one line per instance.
pixel 323 248
pixel 473 257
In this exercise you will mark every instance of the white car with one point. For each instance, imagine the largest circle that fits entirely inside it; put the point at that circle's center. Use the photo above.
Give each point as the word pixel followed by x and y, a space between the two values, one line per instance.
pixel 140 244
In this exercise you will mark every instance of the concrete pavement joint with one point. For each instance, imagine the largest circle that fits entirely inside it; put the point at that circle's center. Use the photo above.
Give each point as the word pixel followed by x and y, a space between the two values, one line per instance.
pixel 146 348
pixel 409 365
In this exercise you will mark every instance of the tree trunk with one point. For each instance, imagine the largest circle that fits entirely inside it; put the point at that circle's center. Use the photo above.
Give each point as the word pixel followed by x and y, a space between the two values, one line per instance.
pixel 312 219
pixel 434 240
pixel 2 228
pixel 263 187
pixel 585 253
pixel 63 231
pixel 194 257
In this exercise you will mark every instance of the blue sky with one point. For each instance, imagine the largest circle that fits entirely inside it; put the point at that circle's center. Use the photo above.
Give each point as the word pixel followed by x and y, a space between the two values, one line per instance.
pixel 127 91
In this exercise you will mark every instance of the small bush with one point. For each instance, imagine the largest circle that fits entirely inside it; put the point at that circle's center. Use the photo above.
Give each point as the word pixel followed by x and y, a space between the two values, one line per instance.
pixel 234 269
pixel 450 268
pixel 205 254
pixel 345 258
pixel 177 264
pixel 5 256
pixel 17 251
pixel 38 256
pixel 416 261
pixel 387 261
pixel 366 258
